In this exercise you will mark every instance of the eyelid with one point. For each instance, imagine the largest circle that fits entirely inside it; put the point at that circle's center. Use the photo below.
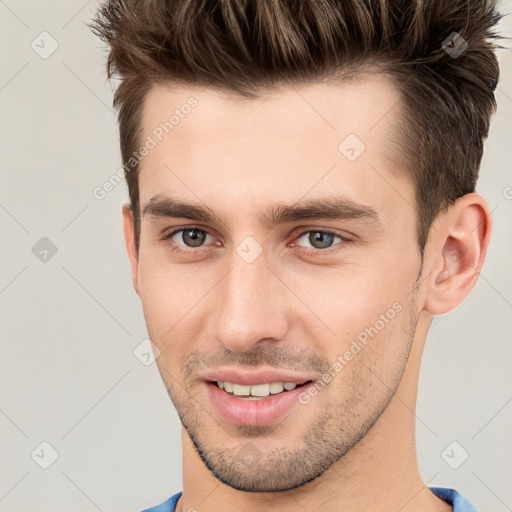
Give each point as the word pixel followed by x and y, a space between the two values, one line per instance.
pixel 327 250
pixel 328 231
pixel 174 231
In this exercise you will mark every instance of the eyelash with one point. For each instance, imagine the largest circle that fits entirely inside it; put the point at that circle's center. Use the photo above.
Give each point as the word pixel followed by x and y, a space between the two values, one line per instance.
pixel 309 251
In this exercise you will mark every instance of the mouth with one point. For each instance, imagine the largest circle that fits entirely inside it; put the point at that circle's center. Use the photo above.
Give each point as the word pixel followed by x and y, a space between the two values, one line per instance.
pixel 254 404
pixel 257 391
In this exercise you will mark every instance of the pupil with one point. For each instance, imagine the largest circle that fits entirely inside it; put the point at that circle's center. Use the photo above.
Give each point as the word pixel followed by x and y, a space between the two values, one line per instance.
pixel 195 237
pixel 318 236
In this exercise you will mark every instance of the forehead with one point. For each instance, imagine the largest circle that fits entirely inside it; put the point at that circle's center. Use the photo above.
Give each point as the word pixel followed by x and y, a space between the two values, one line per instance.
pixel 287 144
pixel 322 113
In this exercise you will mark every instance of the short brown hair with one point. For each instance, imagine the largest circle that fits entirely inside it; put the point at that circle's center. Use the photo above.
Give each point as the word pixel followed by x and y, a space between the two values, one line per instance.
pixel 248 47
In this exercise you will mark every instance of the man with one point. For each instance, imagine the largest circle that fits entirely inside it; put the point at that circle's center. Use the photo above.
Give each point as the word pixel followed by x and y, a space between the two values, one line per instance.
pixel 301 178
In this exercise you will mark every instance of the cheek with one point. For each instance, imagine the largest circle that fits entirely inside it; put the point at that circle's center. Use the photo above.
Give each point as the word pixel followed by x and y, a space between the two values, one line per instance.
pixel 362 307
pixel 172 297
pixel 355 294
pixel 373 333
pixel 161 294
pixel 164 287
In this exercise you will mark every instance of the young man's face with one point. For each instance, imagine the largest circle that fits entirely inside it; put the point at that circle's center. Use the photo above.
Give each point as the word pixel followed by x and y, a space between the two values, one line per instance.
pixel 287 297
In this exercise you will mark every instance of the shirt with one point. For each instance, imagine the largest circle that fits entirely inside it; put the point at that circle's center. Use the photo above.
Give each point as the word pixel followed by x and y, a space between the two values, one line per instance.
pixel 451 496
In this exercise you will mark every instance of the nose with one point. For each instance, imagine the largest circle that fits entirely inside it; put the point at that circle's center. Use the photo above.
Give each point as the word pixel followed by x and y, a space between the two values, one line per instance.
pixel 250 306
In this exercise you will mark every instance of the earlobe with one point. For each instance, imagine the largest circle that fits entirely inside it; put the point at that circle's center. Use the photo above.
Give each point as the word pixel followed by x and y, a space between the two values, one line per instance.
pixel 460 247
pixel 129 239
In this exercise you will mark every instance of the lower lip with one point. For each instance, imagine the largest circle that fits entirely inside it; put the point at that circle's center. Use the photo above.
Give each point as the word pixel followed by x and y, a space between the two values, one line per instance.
pixel 254 412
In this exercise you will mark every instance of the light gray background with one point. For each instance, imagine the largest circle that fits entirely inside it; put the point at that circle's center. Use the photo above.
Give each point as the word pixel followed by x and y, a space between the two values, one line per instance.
pixel 69 325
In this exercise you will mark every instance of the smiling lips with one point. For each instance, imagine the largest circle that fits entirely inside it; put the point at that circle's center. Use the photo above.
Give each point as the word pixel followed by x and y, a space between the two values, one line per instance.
pixel 254 398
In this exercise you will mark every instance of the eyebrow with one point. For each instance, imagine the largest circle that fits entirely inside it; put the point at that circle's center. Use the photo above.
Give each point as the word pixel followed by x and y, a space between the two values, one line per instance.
pixel 328 208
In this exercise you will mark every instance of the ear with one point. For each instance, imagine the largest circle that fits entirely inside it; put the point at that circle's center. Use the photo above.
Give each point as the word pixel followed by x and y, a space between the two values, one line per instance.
pixel 460 244
pixel 129 240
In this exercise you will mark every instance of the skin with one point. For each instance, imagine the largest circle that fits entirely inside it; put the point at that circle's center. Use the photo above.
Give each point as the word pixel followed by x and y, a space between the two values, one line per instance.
pixel 352 447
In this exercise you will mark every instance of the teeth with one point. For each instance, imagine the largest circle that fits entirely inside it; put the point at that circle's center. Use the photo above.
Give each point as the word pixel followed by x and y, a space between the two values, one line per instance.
pixel 257 390
pixel 241 390
pixel 260 390
pixel 276 387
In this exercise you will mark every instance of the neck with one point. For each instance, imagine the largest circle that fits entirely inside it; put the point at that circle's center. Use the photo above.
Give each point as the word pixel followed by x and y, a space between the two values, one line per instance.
pixel 380 473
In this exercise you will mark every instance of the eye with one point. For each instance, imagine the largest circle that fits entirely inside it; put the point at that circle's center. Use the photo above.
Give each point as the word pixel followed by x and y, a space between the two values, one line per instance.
pixel 321 240
pixel 187 239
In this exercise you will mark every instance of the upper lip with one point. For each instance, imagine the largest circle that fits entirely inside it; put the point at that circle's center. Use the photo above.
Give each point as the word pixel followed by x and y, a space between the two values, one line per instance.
pixel 254 377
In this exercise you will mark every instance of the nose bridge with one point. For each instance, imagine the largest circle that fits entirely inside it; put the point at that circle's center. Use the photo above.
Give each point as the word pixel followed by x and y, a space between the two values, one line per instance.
pixel 249 305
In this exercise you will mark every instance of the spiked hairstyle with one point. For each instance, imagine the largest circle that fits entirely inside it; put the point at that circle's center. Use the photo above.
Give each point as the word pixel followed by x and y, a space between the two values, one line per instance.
pixel 246 48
